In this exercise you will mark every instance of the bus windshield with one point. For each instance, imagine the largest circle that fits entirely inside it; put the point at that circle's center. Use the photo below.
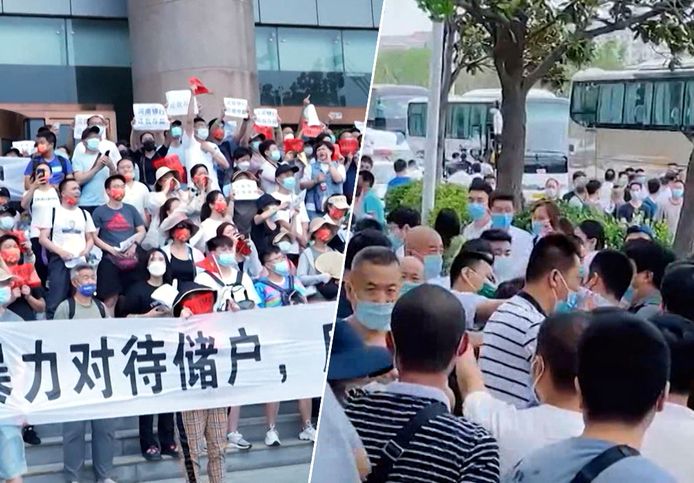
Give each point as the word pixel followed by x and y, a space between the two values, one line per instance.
pixel 546 127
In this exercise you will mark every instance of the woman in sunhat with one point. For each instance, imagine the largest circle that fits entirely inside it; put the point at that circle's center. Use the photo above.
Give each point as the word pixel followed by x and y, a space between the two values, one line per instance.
pixel 321 232
pixel 180 252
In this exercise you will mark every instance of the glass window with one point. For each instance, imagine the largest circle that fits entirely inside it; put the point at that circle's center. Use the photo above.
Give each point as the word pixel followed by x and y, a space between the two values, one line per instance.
pixel 611 103
pixel 689 104
pixel 99 42
pixel 377 7
pixel 32 41
pixel 256 11
pixel 466 121
pixel 102 8
pixel 338 13
pixel 312 50
pixel 667 103
pixel 266 56
pixel 417 119
pixel 359 49
pixel 38 7
pixel 584 103
pixel 296 12
pixel 546 127
pixel 637 107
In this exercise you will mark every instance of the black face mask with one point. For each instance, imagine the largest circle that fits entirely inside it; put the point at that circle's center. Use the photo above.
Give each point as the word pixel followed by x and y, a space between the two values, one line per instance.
pixel 148 145
pixel 124 153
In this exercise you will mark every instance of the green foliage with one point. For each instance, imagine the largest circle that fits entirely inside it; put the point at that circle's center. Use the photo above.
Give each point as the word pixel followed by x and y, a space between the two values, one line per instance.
pixel 448 195
pixel 406 66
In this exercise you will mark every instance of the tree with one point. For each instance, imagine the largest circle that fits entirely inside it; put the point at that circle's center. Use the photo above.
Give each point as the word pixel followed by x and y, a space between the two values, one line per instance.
pixel 528 41
pixel 403 66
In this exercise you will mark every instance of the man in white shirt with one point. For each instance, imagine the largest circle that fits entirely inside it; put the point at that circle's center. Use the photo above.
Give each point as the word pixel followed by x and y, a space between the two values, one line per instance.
pixel 503 209
pixel 478 209
pixel 609 277
pixel 294 219
pixel 521 431
pixel 136 193
pixel 105 145
pixel 670 208
pixel 605 193
pixel 401 220
pixel 198 150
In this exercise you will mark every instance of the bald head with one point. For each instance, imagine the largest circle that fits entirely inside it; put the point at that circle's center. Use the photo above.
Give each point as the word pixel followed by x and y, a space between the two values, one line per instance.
pixel 421 241
pixel 412 269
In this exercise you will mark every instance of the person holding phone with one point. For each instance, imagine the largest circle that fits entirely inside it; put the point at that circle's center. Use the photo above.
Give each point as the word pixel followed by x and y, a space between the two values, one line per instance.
pixel 92 168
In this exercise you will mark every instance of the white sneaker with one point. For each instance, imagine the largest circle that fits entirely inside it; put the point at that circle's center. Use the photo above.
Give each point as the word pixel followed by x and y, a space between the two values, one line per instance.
pixel 272 438
pixel 236 440
pixel 308 433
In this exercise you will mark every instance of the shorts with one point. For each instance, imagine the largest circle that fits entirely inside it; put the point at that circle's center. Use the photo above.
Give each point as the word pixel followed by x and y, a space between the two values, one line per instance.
pixel 110 280
pixel 12 459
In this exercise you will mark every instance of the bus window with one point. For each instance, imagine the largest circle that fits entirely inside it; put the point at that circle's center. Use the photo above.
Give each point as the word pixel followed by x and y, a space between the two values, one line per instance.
pixel 637 106
pixel 464 119
pixel 417 119
pixel 584 103
pixel 611 103
pixel 689 104
pixel 668 97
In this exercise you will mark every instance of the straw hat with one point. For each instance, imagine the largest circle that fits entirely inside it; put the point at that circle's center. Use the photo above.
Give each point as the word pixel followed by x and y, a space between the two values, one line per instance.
pixel 317 223
pixel 282 234
pixel 163 171
pixel 331 263
pixel 174 219
pixel 339 202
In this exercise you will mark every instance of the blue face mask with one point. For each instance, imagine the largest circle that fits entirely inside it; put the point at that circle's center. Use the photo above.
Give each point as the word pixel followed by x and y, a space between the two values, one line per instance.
pixel 503 268
pixel 226 259
pixel 87 290
pixel 255 146
pixel 5 295
pixel 374 315
pixel 275 155
pixel 93 144
pixel 176 132
pixel 476 211
pixel 568 305
pixel 6 223
pixel 396 241
pixel 677 193
pixel 281 268
pixel 537 227
pixel 407 286
pixel 289 183
pixel 433 265
pixel 502 220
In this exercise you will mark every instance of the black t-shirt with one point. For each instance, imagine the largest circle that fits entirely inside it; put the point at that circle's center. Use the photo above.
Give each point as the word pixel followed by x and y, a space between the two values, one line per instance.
pixel 244 211
pixel 146 166
pixel 22 308
pixel 182 270
pixel 137 300
pixel 262 235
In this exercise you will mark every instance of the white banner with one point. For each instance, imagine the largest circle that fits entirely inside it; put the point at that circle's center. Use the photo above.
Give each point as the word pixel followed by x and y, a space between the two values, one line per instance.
pixel 234 107
pixel 69 370
pixel 177 102
pixel 25 147
pixel 266 117
pixel 12 175
pixel 150 117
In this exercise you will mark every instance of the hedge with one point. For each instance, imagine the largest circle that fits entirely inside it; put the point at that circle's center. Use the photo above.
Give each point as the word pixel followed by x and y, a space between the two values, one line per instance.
pixel 449 195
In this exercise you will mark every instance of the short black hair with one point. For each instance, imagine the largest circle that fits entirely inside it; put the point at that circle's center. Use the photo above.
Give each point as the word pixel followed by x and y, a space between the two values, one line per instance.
pixel 218 242
pixel 368 177
pixel 615 271
pixel 175 123
pixel 363 239
pixel 447 224
pixel 653 185
pixel 399 165
pixel 48 135
pixel 623 367
pixel 427 347
pixel 476 168
pixel 381 256
pixel 13 150
pixel 634 182
pixel 677 288
pixel 609 174
pixel 502 196
pixel 241 151
pixel 470 259
pixel 145 134
pixel 367 224
pixel 557 343
pixel 111 179
pixel 679 336
pixel 496 235
pixel 639 170
pixel 649 256
pixel 268 252
pixel 593 186
pixel 578 174
pixel 199 119
pixel 265 145
pixel 367 158
pixel 404 215
pixel 509 288
pixel 593 229
pixel 478 245
pixel 478 184
pixel 64 183
pixel 552 252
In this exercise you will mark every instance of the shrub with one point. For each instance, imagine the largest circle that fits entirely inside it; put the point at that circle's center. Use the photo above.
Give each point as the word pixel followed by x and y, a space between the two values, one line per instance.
pixel 448 195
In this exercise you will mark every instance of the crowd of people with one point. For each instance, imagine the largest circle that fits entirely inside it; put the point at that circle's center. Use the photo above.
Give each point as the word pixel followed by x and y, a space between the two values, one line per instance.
pixel 489 353
pixel 231 219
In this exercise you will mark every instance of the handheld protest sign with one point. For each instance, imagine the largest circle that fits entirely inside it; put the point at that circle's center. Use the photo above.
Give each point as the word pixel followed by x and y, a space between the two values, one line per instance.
pixel 348 147
pixel 150 117
pixel 266 117
pixel 177 103
pixel 234 107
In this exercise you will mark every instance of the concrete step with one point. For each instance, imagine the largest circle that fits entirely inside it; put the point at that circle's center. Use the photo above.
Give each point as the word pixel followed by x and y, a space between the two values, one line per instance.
pixel 133 468
pixel 279 474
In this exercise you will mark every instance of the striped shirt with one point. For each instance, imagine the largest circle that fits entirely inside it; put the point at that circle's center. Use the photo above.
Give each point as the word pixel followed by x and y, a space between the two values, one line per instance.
pixel 445 449
pixel 509 344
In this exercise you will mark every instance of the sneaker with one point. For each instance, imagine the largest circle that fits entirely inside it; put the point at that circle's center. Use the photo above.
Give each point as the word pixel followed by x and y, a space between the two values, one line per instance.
pixel 236 440
pixel 272 438
pixel 308 433
pixel 30 437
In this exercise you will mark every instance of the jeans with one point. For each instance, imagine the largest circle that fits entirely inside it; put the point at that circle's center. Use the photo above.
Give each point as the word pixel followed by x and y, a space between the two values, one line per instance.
pixel 58 284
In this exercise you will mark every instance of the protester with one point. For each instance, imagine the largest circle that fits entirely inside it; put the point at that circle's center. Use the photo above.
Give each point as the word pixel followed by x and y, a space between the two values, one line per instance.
pixel 471 282
pixel 180 253
pixel 502 207
pixel 366 163
pixel 105 145
pixel 592 234
pixel 592 200
pixel 327 178
pixel 336 213
pixel 643 296
pixel 412 270
pixel 500 246
pixel 272 156
pixel 478 209
pixel 294 218
pixel 367 203
pixel 246 252
pixel 28 294
pixel 265 227
pixel 400 221
pixel 551 192
pixel 198 149
pixel 447 224
pixel 200 186
pixel 91 168
pixel 579 180
pixel 510 334
pixel 401 177
pixel 447 448
pixel 652 196
pixel 212 214
pixel 635 206
pixel 426 244
pixel 545 218
pixel 60 168
pixel 670 209
pixel 609 276
pixel 136 193
pixel 321 232
pixel 623 367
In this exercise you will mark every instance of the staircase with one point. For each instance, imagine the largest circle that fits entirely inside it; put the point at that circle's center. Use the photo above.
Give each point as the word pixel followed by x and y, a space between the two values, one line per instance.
pixel 46 460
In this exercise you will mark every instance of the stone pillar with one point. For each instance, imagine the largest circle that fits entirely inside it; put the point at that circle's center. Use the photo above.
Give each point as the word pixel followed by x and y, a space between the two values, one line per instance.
pixel 214 40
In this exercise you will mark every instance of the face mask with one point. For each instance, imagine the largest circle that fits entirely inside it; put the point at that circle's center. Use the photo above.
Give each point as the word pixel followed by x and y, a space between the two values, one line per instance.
pixel 476 211
pixel 226 259
pixel 503 268
pixel 374 315
pixel 622 181
pixel 433 264
pixel 181 234
pixel 200 180
pixel 275 156
pixel 281 268
pixel 538 227
pixel 157 269
pixel 551 193
pixel 322 234
pixel 628 297
pixel 220 207
pixel 87 290
pixel 255 146
pixel 502 220
pixel 70 200
pixel 117 193
pixel 218 134
pixel 284 245
pixel 571 302
pixel 129 177
pixel 41 149
pixel 636 194
pixel 93 144
pixel 677 193
pixel 10 255
pixel 5 295
pixel 6 223
pixel 407 286
pixel 396 241
pixel 308 152
pixel 336 214
pixel 641 179
pixel 332 139
pixel 289 183
pixel 244 165
pixel 488 290
pixel 202 132
pixel 176 132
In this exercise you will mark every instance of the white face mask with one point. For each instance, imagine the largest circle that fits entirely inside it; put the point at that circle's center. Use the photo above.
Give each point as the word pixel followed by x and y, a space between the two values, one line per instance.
pixel 157 268
pixel 202 132
pixel 244 165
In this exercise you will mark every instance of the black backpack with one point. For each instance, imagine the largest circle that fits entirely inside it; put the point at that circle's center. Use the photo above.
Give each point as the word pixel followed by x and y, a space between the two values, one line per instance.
pixel 71 308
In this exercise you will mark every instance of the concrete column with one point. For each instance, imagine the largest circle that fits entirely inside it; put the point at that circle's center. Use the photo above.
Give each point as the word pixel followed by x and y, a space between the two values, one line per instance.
pixel 214 40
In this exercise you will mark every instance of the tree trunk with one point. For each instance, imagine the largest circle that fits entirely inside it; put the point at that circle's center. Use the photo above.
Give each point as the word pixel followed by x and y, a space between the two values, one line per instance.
pixel 512 158
pixel 446 80
pixel 684 239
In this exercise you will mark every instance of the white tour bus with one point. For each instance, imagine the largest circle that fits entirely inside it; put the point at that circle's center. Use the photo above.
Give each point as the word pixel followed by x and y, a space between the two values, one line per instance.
pixel 469 120
pixel 631 117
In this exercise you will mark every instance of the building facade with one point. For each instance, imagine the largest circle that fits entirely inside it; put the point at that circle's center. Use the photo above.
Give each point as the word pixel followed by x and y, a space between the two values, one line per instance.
pixel 59 57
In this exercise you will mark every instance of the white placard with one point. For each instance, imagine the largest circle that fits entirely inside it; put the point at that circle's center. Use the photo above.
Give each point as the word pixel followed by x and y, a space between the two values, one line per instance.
pixel 234 107
pixel 266 117
pixel 150 117
pixel 177 102
pixel 70 370
pixel 25 147
pixel 245 190
pixel 335 116
pixel 311 116
pixel 80 125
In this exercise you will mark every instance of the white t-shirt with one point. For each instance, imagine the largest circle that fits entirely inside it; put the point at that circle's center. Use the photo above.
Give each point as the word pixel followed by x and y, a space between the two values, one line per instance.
pixel 225 293
pixel 43 201
pixel 289 215
pixel 469 301
pixel 195 155
pixel 267 177
pixel 137 195
pixel 208 230
pixel 520 431
pixel 104 145
pixel 669 440
pixel 69 228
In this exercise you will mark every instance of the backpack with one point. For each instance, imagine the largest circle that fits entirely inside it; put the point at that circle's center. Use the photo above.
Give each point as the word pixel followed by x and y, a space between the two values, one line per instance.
pixel 287 294
pixel 246 303
pixel 35 161
pixel 71 308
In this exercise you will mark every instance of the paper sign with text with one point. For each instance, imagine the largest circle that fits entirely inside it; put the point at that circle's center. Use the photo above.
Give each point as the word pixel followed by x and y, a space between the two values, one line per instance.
pixel 80 125
pixel 266 117
pixel 150 117
pixel 25 147
pixel 245 190
pixel 177 102
pixel 234 107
